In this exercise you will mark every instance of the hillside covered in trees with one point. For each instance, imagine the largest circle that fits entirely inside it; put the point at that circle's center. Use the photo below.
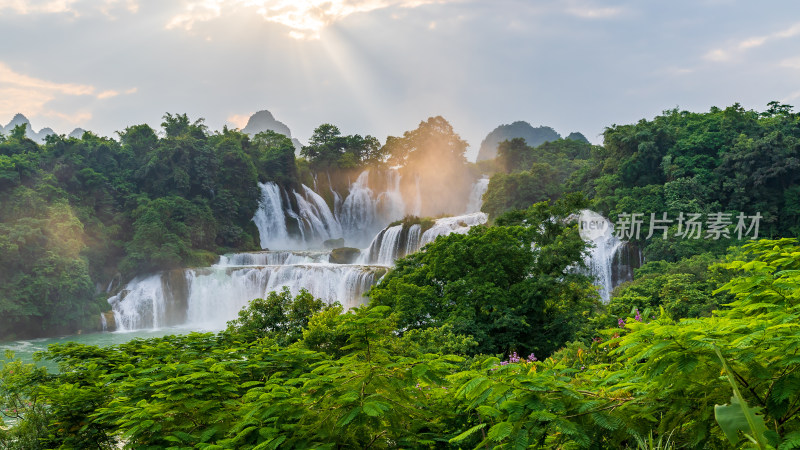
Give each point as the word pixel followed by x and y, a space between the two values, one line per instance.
pixel 81 216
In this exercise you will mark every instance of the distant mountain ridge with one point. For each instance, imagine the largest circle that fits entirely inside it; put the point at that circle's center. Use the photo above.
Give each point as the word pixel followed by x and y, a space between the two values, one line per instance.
pixel 37 136
pixel 258 122
pixel 263 121
pixel 534 137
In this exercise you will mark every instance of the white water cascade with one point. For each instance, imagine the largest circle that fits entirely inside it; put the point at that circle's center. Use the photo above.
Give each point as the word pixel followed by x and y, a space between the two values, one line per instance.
pixel 359 210
pixel 269 218
pixel 293 225
pixel 476 195
pixel 396 241
pixel 605 261
pixel 207 298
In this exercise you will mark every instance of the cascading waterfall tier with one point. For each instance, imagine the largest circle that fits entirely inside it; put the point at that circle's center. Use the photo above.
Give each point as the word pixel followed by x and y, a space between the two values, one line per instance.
pixel 207 298
pixel 476 195
pixel 610 261
pixel 289 222
pixel 292 222
pixel 303 220
pixel 397 241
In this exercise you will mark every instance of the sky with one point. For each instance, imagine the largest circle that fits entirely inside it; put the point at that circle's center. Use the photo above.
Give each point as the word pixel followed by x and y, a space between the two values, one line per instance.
pixel 380 67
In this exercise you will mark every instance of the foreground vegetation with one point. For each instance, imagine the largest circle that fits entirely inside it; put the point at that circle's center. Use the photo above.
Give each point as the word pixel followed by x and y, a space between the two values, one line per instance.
pixel 296 373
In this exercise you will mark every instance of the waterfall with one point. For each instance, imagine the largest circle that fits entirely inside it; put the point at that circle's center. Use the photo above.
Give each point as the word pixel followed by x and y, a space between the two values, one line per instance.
pixel 390 246
pixel 395 241
pixel 315 221
pixel 413 239
pixel 606 260
pixel 273 258
pixel 329 222
pixel 359 209
pixel 206 298
pixel 391 202
pixel 447 225
pixel 270 219
pixel 141 304
pixel 210 297
pixel 476 195
pixel 337 199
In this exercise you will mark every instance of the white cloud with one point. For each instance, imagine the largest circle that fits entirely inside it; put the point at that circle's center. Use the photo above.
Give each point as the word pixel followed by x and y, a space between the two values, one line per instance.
pixel 71 7
pixel 107 94
pixel 726 54
pixel 305 18
pixel 590 10
pixel 30 95
pixel 595 13
pixel 77 118
pixel 37 7
pixel 718 55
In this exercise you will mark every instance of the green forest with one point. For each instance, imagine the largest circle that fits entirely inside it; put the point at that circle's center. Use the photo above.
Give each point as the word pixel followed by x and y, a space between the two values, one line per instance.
pixel 490 339
pixel 76 213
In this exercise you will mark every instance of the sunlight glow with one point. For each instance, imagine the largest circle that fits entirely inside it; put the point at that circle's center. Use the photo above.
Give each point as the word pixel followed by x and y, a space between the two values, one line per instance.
pixel 306 18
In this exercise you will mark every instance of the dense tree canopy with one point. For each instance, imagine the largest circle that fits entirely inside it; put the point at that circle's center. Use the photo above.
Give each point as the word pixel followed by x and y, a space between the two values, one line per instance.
pixel 726 160
pixel 75 212
pixel 328 148
pixel 360 379
pixel 491 284
pixel 528 175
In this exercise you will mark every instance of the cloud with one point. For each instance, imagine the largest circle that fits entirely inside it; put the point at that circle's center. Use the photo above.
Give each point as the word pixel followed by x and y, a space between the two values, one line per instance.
pixel 38 7
pixel 71 7
pixel 589 10
pixel 10 78
pixel 595 13
pixel 31 95
pixel 305 18
pixel 791 63
pixel 107 94
pixel 74 118
pixel 726 54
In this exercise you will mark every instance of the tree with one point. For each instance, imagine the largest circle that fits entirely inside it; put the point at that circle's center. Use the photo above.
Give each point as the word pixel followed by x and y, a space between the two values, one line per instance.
pixel 433 140
pixel 492 285
pixel 273 154
pixel 329 148
pixel 279 316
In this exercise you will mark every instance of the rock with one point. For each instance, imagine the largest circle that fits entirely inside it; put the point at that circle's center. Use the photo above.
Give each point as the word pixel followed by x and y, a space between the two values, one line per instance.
pixel 575 136
pixel 110 324
pixel 534 137
pixel 344 255
pixel 334 243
